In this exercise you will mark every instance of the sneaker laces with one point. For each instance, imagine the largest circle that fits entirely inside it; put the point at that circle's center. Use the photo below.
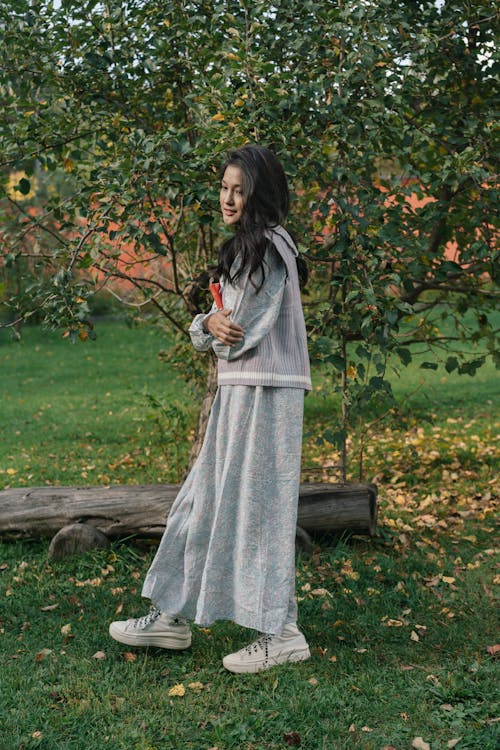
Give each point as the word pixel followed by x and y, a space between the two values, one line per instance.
pixel 262 644
pixel 142 622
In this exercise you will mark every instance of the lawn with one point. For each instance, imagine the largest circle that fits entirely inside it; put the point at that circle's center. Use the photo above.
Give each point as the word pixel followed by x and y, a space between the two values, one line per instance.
pixel 402 626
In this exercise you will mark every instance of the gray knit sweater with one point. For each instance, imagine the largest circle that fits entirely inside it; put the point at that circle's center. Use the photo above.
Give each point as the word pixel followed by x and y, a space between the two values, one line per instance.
pixel 273 351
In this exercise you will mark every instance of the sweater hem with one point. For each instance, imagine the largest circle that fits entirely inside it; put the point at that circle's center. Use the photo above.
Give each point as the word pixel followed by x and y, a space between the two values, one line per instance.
pixel 264 378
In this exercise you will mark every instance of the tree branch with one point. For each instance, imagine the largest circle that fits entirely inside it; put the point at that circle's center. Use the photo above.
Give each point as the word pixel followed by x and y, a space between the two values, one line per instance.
pixel 445 286
pixel 137 283
pixel 12 323
pixel 48 147
pixel 84 238
pixel 445 197
pixel 36 222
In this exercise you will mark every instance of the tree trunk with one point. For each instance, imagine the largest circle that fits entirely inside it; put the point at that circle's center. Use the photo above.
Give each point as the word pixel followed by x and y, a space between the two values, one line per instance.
pixel 206 405
pixel 142 510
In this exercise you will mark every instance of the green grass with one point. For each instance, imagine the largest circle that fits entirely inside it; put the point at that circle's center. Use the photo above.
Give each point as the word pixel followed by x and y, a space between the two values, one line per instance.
pixel 78 413
pixel 439 687
pixel 74 414
pixel 399 624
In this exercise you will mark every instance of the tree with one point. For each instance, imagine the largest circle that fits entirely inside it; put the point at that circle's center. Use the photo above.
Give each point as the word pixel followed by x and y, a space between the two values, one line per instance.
pixel 379 111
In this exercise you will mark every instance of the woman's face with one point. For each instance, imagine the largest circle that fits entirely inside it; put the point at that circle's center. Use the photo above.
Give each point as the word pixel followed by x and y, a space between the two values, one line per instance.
pixel 231 195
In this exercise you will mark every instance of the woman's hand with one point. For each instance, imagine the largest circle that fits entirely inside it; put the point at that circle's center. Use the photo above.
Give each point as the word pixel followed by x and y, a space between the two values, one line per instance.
pixel 224 329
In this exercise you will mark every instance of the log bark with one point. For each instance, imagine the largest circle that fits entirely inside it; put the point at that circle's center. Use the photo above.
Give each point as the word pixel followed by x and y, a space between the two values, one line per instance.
pixel 142 510
pixel 337 507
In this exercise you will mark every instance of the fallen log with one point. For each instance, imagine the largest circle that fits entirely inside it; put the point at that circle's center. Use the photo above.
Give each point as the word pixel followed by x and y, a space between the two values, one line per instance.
pixel 142 510
pixel 347 506
pixel 117 510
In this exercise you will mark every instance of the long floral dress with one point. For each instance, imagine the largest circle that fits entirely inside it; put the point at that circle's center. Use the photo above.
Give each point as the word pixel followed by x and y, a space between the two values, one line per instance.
pixel 228 551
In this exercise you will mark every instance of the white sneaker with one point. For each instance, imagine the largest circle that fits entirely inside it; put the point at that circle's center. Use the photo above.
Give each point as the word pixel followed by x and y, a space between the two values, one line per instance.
pixel 154 629
pixel 268 651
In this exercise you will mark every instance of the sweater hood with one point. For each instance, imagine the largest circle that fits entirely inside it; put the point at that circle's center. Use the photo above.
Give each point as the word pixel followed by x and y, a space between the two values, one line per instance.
pixel 284 235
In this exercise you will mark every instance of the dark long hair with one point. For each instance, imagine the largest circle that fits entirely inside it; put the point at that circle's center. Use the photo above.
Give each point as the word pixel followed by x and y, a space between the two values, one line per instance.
pixel 266 201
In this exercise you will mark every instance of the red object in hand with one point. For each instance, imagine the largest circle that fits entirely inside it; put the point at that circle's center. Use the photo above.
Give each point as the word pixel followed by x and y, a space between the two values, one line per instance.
pixel 216 294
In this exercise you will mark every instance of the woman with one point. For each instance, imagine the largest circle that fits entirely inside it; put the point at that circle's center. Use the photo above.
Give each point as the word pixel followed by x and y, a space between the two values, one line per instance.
pixel 228 551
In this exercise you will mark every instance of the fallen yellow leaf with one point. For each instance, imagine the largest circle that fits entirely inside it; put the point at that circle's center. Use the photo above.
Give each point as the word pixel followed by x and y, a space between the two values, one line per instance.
pixel 177 690
pixel 320 592
pixel 219 117
pixel 195 685
pixel 89 582
pixel 420 744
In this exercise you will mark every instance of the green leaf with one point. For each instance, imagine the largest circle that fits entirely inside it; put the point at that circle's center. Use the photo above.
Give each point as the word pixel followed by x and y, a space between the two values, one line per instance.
pixel 404 355
pixel 335 437
pixel 337 361
pixel 470 368
pixel 24 186
pixel 155 241
pixel 451 364
pixel 429 365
